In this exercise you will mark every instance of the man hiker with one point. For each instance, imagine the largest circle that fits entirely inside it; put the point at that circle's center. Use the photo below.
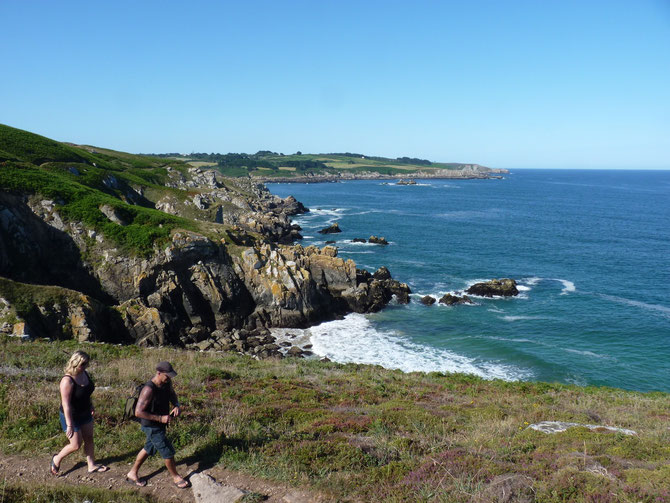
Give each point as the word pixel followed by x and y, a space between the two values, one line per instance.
pixel 153 410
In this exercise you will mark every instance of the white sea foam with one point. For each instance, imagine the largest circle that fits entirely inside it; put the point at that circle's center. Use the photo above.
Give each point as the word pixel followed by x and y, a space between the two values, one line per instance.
pixel 589 353
pixel 326 211
pixel 315 217
pixel 568 286
pixel 528 283
pixel 355 340
pixel 508 339
pixel 519 318
pixel 464 214
pixel 662 310
pixel 358 243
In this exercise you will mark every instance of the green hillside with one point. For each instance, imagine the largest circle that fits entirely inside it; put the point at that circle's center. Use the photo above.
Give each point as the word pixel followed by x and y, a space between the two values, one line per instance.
pixel 82 179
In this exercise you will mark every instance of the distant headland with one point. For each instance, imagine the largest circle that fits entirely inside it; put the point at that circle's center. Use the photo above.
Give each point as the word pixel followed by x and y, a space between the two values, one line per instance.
pixel 267 166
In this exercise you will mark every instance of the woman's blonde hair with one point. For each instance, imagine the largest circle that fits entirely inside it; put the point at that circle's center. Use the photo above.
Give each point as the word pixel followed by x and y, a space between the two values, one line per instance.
pixel 77 358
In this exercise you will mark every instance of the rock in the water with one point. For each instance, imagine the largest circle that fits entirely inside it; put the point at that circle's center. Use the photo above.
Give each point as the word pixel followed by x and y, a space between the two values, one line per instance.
pixel 450 299
pixel 330 242
pixel 378 240
pixel 428 300
pixel 498 287
pixel 331 229
pixel 359 240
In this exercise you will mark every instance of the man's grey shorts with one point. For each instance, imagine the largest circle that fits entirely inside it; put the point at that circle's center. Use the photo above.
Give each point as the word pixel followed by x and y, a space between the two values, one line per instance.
pixel 157 441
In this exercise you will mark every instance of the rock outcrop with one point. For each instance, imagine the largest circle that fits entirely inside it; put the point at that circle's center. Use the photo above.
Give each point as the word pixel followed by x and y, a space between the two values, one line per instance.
pixel 427 300
pixel 378 240
pixel 331 229
pixel 450 299
pixel 183 292
pixel 495 287
pixel 233 201
pixel 90 248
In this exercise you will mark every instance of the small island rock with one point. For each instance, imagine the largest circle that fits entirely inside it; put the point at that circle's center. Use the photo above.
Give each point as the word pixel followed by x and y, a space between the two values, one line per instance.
pixel 378 240
pixel 428 300
pixel 450 299
pixel 500 287
pixel 331 229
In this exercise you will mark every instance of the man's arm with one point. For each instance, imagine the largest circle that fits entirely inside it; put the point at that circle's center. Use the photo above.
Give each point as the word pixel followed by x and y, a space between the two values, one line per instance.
pixel 173 399
pixel 143 404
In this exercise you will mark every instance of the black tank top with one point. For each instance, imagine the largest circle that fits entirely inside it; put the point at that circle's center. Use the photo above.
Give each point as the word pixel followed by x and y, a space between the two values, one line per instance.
pixel 159 405
pixel 80 400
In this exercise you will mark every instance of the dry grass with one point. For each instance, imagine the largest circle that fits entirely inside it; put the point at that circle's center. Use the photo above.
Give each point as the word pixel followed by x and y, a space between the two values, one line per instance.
pixel 360 433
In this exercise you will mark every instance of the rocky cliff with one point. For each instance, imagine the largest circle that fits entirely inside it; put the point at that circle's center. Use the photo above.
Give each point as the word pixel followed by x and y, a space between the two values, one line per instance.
pixel 102 245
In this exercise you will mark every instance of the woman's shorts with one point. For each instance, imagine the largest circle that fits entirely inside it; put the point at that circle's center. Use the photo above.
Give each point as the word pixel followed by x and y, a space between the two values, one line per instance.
pixel 157 441
pixel 77 422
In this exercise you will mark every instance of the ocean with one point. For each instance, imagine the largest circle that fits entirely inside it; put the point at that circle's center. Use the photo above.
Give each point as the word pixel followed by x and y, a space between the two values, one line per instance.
pixel 589 249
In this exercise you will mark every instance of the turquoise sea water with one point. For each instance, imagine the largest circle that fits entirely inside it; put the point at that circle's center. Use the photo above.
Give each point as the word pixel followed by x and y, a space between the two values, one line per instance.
pixel 590 250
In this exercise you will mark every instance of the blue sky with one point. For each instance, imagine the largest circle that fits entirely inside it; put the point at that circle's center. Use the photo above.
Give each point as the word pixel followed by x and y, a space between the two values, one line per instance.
pixel 572 84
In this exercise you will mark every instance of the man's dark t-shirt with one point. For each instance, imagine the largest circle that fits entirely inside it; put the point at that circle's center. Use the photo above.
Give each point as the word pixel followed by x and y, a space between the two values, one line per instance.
pixel 159 403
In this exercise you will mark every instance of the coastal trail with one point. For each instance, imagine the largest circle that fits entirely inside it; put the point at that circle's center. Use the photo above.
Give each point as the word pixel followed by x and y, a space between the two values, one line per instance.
pixel 34 472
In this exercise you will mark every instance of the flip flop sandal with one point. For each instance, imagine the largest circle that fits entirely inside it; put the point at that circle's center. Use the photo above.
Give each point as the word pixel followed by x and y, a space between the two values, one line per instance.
pixel 54 469
pixel 99 468
pixel 138 482
pixel 182 484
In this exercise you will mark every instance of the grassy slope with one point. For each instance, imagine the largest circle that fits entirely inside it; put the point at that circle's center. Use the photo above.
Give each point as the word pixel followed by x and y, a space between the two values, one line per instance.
pixel 75 177
pixel 355 432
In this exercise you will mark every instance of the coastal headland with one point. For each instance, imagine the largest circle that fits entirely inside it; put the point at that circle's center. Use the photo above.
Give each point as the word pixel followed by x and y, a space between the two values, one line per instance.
pixel 267 166
pixel 171 261
pixel 100 245
pixel 467 172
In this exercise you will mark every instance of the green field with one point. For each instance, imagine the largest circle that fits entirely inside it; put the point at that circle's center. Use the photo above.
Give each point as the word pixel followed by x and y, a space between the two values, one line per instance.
pixel 265 164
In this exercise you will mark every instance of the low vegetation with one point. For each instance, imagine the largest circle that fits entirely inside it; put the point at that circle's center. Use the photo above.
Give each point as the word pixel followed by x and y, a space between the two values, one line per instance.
pixel 355 432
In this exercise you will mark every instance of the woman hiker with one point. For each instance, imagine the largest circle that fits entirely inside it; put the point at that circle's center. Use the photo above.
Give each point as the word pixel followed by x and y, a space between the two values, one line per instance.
pixel 76 413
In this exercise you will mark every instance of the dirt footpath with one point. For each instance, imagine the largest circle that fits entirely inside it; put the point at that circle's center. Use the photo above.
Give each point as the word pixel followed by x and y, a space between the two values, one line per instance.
pixel 159 484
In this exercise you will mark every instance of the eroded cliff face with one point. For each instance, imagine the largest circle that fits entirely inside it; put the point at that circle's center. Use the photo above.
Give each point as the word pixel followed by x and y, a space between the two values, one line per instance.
pixel 237 276
pixel 240 202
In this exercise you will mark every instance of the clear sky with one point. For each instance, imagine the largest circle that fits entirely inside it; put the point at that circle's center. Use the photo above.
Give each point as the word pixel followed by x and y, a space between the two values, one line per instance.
pixel 506 84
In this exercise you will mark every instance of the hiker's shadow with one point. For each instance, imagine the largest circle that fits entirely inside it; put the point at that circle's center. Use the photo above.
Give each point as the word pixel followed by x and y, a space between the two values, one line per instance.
pixel 108 461
pixel 209 454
